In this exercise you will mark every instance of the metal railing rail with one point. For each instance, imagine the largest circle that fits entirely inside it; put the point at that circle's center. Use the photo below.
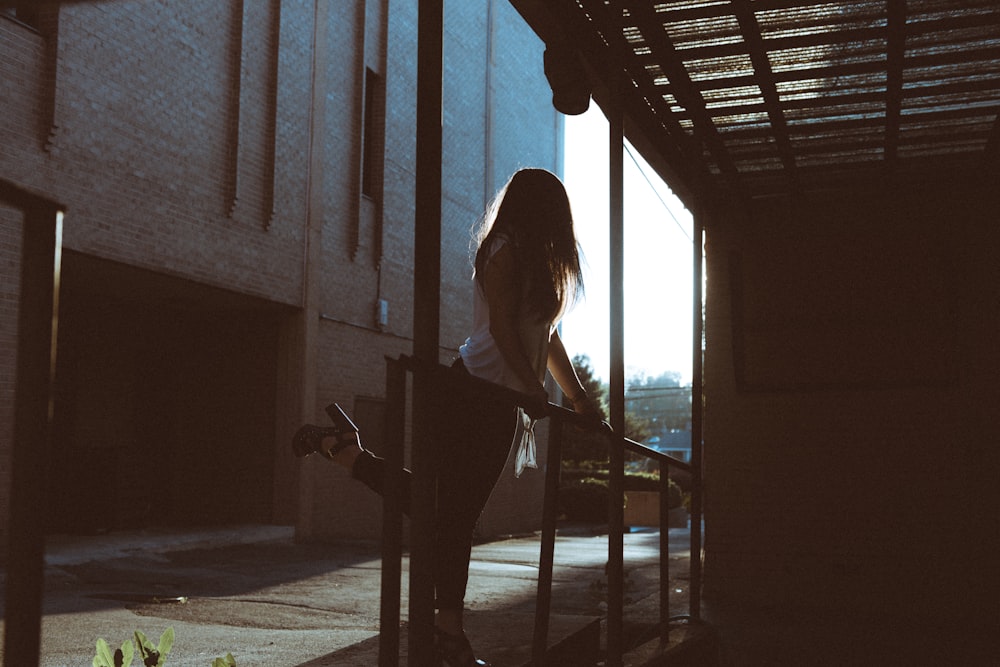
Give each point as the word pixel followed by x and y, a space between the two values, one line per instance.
pixel 560 417
pixel 396 374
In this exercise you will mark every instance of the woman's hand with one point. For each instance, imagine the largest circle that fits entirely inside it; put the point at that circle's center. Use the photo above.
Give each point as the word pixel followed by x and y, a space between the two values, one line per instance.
pixel 584 405
pixel 565 375
pixel 539 406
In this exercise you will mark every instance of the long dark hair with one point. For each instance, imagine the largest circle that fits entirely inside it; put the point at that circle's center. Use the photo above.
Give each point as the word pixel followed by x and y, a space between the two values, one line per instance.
pixel 532 213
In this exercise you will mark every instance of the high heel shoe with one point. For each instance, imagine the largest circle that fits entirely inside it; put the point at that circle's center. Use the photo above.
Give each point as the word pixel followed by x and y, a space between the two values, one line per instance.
pixel 309 438
pixel 455 651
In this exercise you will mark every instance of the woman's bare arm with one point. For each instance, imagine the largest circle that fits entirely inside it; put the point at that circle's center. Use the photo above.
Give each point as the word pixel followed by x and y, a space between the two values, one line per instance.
pixel 565 375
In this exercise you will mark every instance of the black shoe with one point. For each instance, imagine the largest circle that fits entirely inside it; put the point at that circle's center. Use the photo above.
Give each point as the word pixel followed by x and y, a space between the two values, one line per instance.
pixel 309 438
pixel 455 651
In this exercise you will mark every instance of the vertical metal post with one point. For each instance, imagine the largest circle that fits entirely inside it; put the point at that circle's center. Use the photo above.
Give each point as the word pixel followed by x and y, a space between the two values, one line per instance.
pixel 489 183
pixel 427 236
pixel 426 325
pixel 36 357
pixel 664 551
pixel 392 515
pixel 546 560
pixel 616 387
pixel 697 409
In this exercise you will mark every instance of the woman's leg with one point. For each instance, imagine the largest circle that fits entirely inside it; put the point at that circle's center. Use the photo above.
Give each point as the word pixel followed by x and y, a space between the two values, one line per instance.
pixel 474 446
pixel 474 449
pixel 370 470
pixel 474 439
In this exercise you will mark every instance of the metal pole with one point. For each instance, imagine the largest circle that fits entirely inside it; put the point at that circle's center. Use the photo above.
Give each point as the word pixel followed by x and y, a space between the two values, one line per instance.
pixel 427 236
pixel 664 552
pixel 426 325
pixel 392 516
pixel 616 387
pixel 36 356
pixel 546 560
pixel 697 409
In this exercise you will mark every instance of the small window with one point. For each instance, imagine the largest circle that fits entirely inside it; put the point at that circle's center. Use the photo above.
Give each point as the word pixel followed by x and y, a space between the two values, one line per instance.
pixel 373 136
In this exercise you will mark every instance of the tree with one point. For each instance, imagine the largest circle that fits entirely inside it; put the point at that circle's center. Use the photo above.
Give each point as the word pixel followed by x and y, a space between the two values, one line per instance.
pixel 592 384
pixel 661 400
pixel 579 445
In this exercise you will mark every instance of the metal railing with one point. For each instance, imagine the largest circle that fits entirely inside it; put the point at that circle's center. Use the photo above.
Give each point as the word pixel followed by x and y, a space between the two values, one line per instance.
pixel 396 378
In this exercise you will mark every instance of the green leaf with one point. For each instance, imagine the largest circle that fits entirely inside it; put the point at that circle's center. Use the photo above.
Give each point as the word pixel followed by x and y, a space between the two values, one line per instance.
pixel 127 651
pixel 142 643
pixel 166 643
pixel 149 655
pixel 228 661
pixel 104 657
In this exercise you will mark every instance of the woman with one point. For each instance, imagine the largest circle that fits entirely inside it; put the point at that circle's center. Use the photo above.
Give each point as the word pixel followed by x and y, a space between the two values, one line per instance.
pixel 527 275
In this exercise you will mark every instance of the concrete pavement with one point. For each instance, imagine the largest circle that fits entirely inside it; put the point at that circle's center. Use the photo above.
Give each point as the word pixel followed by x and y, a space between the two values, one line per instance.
pixel 254 592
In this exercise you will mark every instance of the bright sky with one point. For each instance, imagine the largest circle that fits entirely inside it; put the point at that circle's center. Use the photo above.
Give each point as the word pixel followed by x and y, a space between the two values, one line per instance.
pixel 658 290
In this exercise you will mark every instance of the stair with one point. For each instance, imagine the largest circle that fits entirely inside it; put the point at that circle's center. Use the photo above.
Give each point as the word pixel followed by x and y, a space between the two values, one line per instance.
pixel 502 638
pixel 687 645
pixel 579 648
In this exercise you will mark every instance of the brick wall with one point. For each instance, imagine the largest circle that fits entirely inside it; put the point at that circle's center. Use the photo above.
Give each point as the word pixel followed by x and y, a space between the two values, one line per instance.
pixel 142 152
pixel 177 135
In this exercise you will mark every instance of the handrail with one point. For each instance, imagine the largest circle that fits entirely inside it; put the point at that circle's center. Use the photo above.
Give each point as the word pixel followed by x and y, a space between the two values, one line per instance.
pixel 656 455
pixel 392 534
pixel 553 410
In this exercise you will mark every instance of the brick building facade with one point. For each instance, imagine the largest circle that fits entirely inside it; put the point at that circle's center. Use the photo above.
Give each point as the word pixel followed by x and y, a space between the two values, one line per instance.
pixel 238 246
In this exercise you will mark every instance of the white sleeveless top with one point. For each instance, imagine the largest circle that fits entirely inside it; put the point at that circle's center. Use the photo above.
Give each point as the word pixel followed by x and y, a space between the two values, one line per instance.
pixel 480 354
pixel 482 359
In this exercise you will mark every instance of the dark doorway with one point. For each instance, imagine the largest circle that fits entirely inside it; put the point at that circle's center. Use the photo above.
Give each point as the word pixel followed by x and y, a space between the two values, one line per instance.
pixel 165 408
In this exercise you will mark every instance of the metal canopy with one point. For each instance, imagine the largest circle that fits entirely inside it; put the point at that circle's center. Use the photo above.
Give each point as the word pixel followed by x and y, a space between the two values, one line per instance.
pixel 770 97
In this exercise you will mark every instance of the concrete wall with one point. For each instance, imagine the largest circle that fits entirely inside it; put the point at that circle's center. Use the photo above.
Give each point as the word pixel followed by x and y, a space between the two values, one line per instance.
pixel 850 451
pixel 188 146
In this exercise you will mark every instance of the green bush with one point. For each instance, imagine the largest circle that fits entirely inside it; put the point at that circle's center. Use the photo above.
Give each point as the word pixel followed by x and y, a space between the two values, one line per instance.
pixel 577 480
pixel 584 500
pixel 645 481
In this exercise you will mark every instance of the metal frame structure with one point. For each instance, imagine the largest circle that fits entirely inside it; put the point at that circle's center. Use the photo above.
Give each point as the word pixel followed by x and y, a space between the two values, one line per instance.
pixel 428 374
pixel 770 98
pixel 426 339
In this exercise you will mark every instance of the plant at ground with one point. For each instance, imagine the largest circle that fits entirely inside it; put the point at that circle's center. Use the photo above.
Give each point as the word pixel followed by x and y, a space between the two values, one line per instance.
pixel 583 494
pixel 121 657
pixel 584 500
pixel 152 656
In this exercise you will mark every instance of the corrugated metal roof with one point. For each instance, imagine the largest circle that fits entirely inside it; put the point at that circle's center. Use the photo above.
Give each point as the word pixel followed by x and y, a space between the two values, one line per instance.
pixel 763 97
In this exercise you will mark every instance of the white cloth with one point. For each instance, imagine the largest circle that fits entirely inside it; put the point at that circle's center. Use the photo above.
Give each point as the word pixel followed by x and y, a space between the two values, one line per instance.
pixel 524 436
pixel 482 359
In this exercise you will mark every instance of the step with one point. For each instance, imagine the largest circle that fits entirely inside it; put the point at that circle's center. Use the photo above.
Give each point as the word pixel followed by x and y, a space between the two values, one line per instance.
pixel 502 638
pixel 687 645
pixel 580 648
